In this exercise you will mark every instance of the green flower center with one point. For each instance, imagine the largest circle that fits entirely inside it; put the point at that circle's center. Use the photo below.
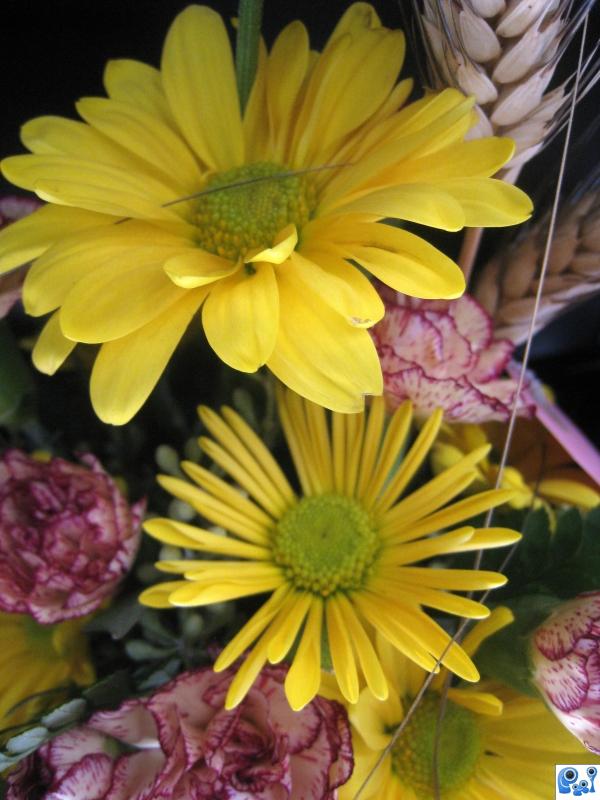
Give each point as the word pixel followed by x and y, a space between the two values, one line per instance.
pixel 248 206
pixel 326 543
pixel 458 753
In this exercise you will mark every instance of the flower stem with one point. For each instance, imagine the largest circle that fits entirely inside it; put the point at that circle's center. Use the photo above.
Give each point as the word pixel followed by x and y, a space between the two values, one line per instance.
pixel 247 44
pixel 468 251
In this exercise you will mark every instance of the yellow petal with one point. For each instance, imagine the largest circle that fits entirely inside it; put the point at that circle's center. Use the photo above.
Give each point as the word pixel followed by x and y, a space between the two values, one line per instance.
pixel 247 674
pixel 318 354
pixel 252 629
pixel 199 82
pixel 52 347
pixel 304 676
pixel 138 85
pixel 196 267
pixel 367 657
pixel 402 260
pixel 126 370
pixel 74 257
pixel 489 203
pixel 340 285
pixel 569 492
pixel 113 301
pixel 190 537
pixel 29 237
pixel 146 136
pixel 478 158
pixel 286 69
pixel 196 593
pixel 428 205
pixel 88 184
pixel 478 702
pixel 158 596
pixel 342 655
pixel 498 619
pixel 285 242
pixel 287 625
pixel 241 317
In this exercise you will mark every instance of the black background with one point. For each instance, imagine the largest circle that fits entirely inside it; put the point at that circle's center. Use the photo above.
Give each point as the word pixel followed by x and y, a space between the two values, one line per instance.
pixel 53 53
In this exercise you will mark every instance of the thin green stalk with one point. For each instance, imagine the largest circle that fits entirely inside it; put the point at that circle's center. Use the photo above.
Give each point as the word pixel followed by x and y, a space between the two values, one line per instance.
pixel 247 44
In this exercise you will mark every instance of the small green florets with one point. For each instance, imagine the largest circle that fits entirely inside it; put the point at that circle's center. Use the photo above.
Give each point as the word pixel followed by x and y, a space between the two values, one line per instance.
pixel 238 219
pixel 326 543
pixel 458 752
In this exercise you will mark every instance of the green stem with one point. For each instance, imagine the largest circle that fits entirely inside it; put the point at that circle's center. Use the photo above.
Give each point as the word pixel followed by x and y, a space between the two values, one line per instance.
pixel 247 44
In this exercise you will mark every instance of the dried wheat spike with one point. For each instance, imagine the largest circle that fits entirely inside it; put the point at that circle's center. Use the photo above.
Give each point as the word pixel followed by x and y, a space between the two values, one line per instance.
pixel 505 52
pixel 507 284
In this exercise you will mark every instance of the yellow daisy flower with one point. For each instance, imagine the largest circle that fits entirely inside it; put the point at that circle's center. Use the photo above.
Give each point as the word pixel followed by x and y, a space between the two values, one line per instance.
pixel 336 560
pixel 36 658
pixel 495 744
pixel 167 199
pixel 532 475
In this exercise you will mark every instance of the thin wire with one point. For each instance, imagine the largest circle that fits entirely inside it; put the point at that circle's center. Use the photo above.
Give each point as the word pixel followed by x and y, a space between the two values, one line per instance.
pixel 465 622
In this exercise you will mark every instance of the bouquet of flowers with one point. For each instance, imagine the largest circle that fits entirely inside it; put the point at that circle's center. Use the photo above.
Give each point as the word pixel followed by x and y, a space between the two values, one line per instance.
pixel 314 531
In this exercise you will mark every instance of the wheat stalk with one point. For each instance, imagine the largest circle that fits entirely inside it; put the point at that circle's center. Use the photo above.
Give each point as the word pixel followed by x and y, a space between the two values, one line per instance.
pixel 505 53
pixel 507 284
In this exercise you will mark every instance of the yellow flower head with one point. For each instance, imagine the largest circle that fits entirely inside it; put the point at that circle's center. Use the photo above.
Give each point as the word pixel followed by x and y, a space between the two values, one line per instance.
pixel 167 199
pixel 494 744
pixel 540 472
pixel 36 658
pixel 336 560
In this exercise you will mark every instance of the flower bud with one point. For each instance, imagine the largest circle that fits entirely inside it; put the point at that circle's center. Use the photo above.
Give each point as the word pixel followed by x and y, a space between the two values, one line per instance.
pixel 565 658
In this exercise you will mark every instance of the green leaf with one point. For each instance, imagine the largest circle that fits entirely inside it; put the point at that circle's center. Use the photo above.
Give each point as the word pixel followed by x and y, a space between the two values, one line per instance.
pixel 534 547
pixel 27 741
pixel 505 655
pixel 110 692
pixel 567 536
pixel 119 619
pixel 139 650
pixel 16 382
pixel 70 712
pixel 246 47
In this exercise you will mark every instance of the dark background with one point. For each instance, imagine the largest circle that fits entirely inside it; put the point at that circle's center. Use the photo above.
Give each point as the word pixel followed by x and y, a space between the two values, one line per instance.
pixel 53 53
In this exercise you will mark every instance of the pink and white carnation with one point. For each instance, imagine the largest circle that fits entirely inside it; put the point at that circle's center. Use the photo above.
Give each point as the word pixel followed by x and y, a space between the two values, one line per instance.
pixel 67 536
pixel 442 354
pixel 565 656
pixel 13 208
pixel 181 744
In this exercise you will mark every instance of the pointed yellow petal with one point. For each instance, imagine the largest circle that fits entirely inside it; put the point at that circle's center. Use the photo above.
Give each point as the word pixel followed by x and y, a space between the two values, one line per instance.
pixel 498 619
pixel 181 534
pixel 158 596
pixel 196 593
pixel 342 655
pixel 304 677
pixel 247 674
pixel 252 629
pixel 52 347
pixel 389 454
pixel 199 82
pixel 127 370
pixel 478 702
pixel 287 625
pixel 367 657
pixel 241 317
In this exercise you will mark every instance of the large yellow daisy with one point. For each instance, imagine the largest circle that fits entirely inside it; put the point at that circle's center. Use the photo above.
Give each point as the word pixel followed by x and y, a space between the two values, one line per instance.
pixel 293 190
pixel 495 744
pixel 337 560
